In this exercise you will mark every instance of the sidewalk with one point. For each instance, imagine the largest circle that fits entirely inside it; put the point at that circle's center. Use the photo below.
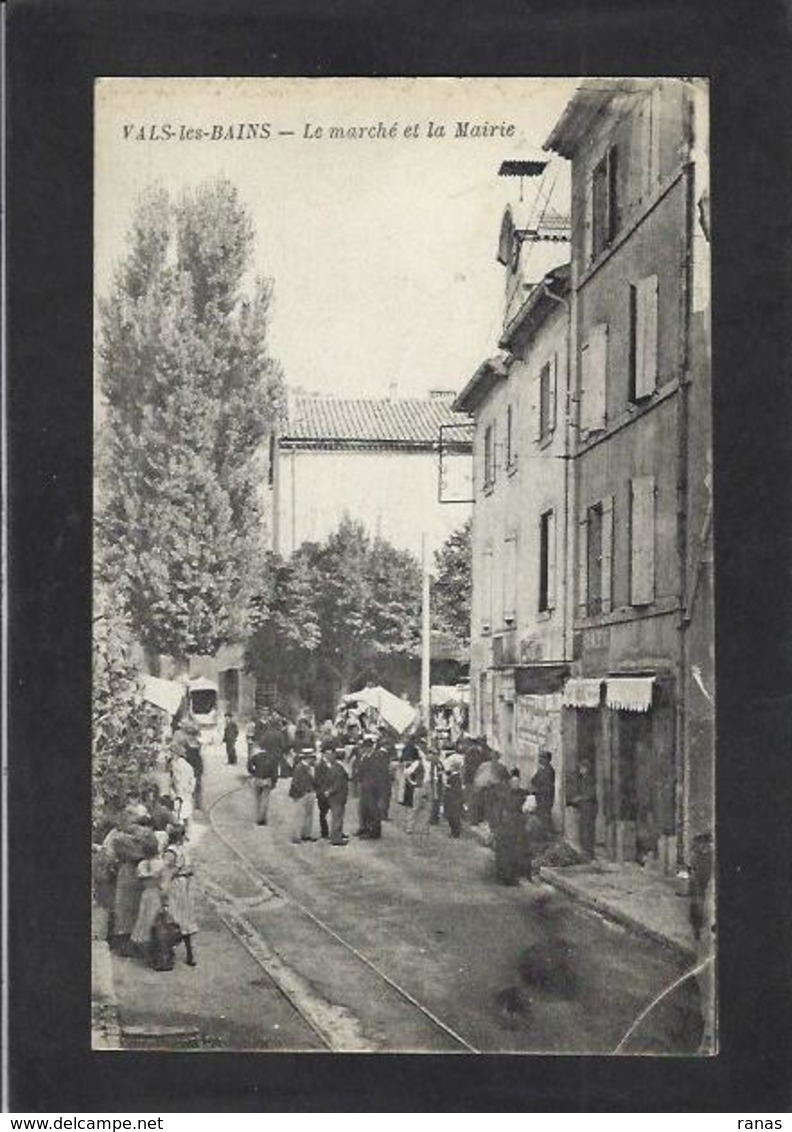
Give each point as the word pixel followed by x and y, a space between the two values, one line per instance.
pixel 627 894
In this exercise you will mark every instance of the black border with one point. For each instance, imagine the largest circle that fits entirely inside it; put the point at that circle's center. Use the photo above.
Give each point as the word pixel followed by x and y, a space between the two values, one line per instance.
pixel 54 52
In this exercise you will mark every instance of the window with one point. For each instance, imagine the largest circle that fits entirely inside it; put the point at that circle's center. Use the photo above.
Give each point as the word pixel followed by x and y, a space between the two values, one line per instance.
pixel 595 559
pixel 642 540
pixel 489 456
pixel 511 454
pixel 604 210
pixel 650 128
pixel 547 561
pixel 510 579
pixel 547 397
pixel 593 379
pixel 643 338
pixel 486 590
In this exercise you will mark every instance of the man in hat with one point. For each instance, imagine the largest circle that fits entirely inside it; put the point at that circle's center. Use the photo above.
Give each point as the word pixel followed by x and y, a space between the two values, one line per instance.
pixel 322 781
pixel 336 792
pixel 263 767
pixel 370 776
pixel 192 752
pixel 230 734
pixel 302 792
pixel 543 783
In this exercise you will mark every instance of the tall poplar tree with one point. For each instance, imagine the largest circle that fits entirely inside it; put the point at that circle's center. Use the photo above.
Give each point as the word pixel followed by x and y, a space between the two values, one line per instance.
pixel 190 391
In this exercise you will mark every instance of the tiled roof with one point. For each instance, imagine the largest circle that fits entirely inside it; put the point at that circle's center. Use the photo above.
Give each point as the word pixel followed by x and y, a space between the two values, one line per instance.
pixel 403 422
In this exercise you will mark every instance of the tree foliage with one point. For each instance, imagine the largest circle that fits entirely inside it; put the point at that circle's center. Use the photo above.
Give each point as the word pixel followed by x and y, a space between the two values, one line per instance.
pixel 335 610
pixel 126 731
pixel 190 392
pixel 453 585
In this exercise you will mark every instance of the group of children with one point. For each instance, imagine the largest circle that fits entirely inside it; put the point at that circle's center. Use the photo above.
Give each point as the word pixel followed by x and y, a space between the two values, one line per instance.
pixel 143 880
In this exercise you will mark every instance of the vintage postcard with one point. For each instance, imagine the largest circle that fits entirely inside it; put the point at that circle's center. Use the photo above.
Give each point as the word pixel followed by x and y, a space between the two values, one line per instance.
pixel 403 672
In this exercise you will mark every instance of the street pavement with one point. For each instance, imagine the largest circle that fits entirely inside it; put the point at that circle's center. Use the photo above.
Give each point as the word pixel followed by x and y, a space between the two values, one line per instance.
pixel 392 945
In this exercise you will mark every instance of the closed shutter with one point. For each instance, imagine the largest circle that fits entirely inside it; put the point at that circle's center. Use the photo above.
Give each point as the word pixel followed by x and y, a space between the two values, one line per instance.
pixel 588 224
pixel 553 392
pixel 510 578
pixel 486 591
pixel 642 540
pixel 551 560
pixel 593 378
pixel 646 336
pixel 654 135
pixel 607 554
pixel 582 564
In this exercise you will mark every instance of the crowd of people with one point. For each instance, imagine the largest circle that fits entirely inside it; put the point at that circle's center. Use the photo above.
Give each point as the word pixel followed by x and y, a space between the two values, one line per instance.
pixel 142 867
pixel 350 762
pixel 141 863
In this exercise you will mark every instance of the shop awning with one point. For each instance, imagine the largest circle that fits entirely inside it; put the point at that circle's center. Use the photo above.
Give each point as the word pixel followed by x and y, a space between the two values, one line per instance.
pixel 540 679
pixel 167 695
pixel 629 693
pixel 582 692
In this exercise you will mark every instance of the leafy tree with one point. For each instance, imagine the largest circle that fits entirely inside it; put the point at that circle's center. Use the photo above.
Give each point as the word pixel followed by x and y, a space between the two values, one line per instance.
pixel 126 731
pixel 190 391
pixel 453 586
pixel 334 611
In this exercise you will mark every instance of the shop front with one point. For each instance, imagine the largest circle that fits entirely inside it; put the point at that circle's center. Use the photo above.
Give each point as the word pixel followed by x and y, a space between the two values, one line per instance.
pixel 621 726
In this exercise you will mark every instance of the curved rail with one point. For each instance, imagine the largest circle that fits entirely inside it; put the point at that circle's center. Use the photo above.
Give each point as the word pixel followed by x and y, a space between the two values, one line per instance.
pixel 276 888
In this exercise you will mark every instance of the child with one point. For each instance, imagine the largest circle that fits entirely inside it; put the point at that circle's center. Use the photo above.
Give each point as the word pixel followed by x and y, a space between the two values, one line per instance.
pixel 151 872
pixel 180 899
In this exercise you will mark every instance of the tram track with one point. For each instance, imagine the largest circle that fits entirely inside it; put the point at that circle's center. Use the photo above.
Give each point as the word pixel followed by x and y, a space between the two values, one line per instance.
pixel 336 1028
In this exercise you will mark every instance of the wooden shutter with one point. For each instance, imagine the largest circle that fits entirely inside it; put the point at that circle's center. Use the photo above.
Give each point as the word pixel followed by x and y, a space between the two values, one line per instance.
pixel 582 564
pixel 642 540
pixel 486 591
pixel 551 416
pixel 654 135
pixel 551 560
pixel 607 554
pixel 646 336
pixel 588 224
pixel 593 378
pixel 510 577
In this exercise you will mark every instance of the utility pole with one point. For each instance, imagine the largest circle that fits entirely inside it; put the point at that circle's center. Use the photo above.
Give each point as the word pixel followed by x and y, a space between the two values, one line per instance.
pixel 426 635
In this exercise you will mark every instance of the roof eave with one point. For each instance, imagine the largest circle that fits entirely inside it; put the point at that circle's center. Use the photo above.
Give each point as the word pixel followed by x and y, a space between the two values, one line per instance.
pixel 483 381
pixel 537 299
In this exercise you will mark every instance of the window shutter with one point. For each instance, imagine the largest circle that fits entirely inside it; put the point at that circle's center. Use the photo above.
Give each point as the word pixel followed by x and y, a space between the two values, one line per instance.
pixel 593 375
pixel 510 578
pixel 607 554
pixel 486 591
pixel 582 557
pixel 553 392
pixel 642 540
pixel 551 560
pixel 654 135
pixel 588 224
pixel 646 336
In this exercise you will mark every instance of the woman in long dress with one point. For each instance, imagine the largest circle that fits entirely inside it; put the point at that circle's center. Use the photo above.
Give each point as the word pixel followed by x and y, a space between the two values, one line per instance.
pixel 182 786
pixel 152 874
pixel 180 899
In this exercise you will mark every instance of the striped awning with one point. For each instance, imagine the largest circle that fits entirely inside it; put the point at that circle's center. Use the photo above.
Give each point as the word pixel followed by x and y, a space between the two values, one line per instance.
pixel 582 692
pixel 629 693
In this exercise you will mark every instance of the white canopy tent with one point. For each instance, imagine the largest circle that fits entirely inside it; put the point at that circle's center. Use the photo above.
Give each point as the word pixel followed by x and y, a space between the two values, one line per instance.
pixel 396 712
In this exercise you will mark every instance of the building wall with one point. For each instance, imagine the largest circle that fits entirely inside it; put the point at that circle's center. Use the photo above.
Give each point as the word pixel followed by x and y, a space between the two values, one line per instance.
pixel 666 436
pixel 511 509
pixel 394 494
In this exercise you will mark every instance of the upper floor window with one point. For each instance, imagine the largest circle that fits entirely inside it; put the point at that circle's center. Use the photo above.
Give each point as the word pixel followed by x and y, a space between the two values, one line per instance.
pixel 642 540
pixel 486 590
pixel 489 456
pixel 511 454
pixel 593 379
pixel 603 205
pixel 547 561
pixel 595 559
pixel 510 579
pixel 547 398
pixel 643 337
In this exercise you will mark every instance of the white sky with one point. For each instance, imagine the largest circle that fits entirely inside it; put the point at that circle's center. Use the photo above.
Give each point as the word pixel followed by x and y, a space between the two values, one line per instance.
pixel 382 251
